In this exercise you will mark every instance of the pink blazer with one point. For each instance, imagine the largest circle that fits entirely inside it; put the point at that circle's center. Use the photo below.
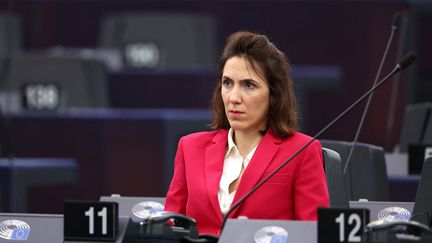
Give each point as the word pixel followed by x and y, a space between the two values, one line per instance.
pixel 295 192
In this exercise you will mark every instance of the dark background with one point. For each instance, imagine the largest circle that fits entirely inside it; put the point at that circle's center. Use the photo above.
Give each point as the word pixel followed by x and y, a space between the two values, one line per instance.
pixel 348 35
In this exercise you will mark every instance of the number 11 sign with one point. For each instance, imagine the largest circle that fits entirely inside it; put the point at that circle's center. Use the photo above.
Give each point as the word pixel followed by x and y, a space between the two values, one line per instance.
pixel 90 221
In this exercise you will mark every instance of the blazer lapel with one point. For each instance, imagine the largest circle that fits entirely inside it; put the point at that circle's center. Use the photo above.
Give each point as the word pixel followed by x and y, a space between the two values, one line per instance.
pixel 261 159
pixel 214 158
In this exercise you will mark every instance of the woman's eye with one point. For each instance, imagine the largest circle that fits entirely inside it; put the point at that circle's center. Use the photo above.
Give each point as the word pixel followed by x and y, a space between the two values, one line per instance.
pixel 250 84
pixel 226 82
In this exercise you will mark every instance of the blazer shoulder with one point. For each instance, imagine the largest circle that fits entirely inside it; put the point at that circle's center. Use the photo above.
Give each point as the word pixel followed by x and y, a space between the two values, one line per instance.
pixel 203 137
pixel 300 138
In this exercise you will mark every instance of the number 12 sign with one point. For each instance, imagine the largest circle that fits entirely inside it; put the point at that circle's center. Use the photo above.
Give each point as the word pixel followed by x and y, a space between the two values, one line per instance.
pixel 90 221
pixel 341 224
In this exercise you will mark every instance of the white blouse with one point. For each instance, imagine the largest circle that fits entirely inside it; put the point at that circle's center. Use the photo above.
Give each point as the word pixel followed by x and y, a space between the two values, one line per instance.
pixel 232 167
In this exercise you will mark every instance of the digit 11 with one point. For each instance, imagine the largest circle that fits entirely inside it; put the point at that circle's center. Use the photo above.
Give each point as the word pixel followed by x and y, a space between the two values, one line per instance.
pixel 103 214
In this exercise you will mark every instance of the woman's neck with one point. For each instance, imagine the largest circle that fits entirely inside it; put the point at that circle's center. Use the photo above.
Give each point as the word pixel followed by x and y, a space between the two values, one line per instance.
pixel 245 142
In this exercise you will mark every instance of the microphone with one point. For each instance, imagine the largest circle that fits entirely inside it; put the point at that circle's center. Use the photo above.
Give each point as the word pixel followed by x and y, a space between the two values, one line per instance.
pixel 404 63
pixel 397 19
pixel 394 99
pixel 395 26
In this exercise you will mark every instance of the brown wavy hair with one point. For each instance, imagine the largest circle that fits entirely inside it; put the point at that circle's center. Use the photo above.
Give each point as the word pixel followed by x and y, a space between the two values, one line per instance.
pixel 259 50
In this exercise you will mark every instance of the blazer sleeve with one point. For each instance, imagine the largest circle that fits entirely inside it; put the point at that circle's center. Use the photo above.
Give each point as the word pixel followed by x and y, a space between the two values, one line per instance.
pixel 311 186
pixel 177 195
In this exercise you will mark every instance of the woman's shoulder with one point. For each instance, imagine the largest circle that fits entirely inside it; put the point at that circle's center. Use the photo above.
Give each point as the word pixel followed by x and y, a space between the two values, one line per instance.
pixel 300 138
pixel 203 136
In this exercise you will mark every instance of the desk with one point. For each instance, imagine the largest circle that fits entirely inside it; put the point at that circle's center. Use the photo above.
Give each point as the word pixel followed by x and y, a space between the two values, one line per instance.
pixel 18 174
pixel 150 89
pixel 128 152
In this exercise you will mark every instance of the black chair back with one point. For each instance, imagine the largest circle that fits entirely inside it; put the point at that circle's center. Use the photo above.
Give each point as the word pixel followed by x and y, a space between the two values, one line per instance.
pixel 335 183
pixel 156 40
pixel 366 175
pixel 422 211
pixel 44 82
pixel 417 126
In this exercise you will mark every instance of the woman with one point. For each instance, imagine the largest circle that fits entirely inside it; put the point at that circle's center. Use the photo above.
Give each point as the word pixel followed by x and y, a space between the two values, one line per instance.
pixel 255 118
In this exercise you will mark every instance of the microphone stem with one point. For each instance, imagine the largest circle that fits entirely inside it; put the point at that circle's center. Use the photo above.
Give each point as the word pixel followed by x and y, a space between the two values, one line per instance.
pixel 395 89
pixel 393 29
pixel 237 204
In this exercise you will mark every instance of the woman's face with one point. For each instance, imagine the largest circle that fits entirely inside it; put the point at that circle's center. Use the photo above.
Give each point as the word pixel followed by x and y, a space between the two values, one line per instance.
pixel 245 94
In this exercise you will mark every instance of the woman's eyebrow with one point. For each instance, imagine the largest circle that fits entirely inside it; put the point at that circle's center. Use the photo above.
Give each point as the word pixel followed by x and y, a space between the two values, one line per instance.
pixel 242 80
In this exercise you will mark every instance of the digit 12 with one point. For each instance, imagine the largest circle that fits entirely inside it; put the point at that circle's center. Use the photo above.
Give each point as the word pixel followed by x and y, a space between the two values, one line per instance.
pixel 352 219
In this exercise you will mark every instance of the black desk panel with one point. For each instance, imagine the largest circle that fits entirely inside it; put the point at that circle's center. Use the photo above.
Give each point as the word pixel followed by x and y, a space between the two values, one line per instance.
pixel 128 152
pixel 403 188
pixel 18 174
pixel 180 89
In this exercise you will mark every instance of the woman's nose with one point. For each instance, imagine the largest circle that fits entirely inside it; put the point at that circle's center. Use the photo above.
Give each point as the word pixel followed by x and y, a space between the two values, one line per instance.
pixel 235 96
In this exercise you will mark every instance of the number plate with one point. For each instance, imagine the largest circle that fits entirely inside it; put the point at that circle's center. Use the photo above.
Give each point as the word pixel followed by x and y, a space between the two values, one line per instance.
pixel 41 96
pixel 341 224
pixel 90 221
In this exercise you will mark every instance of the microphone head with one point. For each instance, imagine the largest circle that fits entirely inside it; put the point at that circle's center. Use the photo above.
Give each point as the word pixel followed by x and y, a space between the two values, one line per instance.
pixel 397 19
pixel 407 60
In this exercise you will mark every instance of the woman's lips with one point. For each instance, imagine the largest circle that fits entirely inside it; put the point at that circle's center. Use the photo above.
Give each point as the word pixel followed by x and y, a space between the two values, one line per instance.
pixel 236 113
